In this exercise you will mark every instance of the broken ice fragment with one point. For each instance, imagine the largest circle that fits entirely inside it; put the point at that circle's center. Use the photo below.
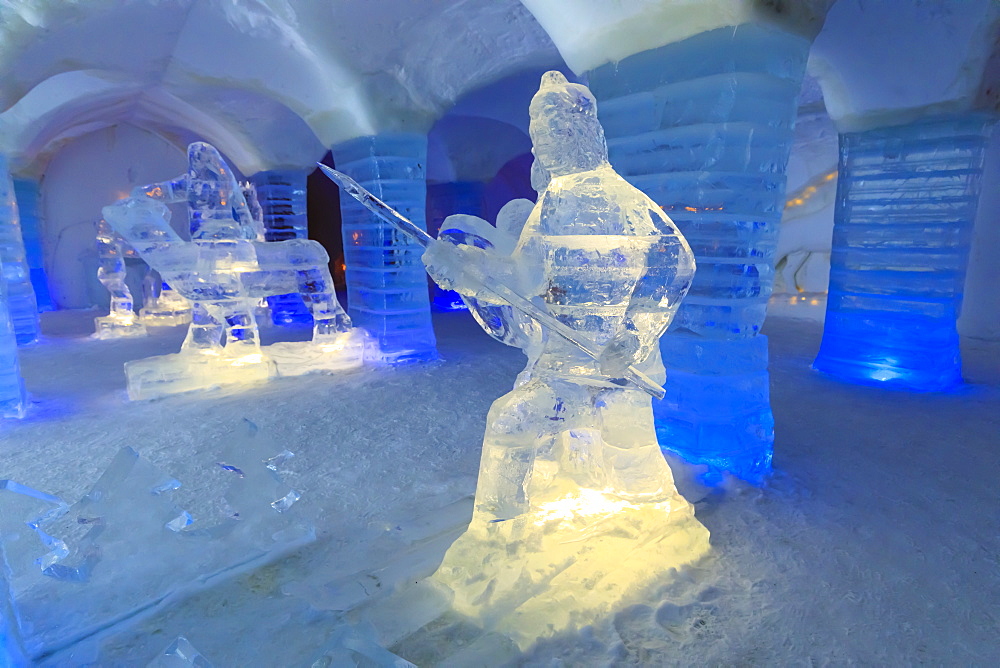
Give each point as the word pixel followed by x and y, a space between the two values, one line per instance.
pixel 180 654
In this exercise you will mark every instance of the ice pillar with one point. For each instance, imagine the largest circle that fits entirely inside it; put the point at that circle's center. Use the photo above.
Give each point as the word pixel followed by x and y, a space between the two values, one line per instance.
pixel 906 201
pixel 443 200
pixel 386 285
pixel 282 196
pixel 28 197
pixel 703 126
pixel 12 398
pixel 22 309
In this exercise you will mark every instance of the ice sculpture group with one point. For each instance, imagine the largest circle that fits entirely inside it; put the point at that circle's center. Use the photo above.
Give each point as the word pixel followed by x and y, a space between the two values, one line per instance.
pixel 225 270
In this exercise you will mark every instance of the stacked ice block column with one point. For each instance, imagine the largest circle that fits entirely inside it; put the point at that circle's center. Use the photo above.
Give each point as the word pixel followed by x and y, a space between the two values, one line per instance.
pixel 282 196
pixel 12 398
pixel 703 126
pixel 386 284
pixel 906 201
pixel 21 304
pixel 443 200
pixel 28 196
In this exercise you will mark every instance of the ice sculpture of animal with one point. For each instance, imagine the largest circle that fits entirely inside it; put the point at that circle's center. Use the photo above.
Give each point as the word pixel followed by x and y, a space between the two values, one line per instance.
pixel 575 503
pixel 225 271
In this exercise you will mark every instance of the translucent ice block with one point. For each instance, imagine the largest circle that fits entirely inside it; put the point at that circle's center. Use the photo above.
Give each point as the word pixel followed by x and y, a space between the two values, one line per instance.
pixel 703 126
pixel 12 397
pixel 387 291
pixel 906 200
pixel 21 304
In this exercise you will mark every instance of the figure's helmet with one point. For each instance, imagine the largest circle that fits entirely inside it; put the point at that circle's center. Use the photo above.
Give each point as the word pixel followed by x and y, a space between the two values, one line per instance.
pixel 565 133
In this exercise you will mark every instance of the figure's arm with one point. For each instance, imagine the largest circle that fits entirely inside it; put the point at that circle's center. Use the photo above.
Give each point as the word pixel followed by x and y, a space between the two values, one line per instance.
pixel 174 190
pixel 655 297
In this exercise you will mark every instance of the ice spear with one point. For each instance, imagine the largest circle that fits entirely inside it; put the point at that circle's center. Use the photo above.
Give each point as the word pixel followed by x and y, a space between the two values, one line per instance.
pixel 488 283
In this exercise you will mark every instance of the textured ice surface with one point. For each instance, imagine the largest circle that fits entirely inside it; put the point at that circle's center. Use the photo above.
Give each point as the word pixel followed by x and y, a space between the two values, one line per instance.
pixel 703 127
pixel 122 321
pixel 225 271
pixel 21 304
pixel 126 547
pixel 905 205
pixel 12 397
pixel 386 286
pixel 571 472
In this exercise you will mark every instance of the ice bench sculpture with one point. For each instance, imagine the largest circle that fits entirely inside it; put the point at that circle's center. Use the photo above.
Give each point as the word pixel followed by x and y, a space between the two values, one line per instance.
pixel 225 271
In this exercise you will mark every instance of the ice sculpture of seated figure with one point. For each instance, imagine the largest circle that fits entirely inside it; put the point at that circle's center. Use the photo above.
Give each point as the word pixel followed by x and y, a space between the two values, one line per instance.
pixel 575 504
pixel 225 271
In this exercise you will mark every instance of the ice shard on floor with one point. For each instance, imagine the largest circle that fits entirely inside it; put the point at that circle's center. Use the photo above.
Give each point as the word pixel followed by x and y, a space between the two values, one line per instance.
pixel 703 126
pixel 128 547
pixel 225 271
pixel 21 305
pixel 906 201
pixel 386 286
pixel 575 504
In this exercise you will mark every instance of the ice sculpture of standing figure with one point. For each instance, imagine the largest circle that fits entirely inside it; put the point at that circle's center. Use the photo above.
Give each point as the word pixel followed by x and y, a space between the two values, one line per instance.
pixel 121 321
pixel 575 503
pixel 225 271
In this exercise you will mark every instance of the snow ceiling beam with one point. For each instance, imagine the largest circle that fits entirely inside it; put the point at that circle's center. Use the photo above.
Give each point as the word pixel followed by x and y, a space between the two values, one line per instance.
pixel 888 63
pixel 590 33
pixel 347 69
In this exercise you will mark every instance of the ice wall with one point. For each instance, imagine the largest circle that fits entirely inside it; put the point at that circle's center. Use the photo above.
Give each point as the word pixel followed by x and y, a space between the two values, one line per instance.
pixel 703 126
pixel 387 291
pixel 26 192
pixel 906 200
pixel 282 196
pixel 21 306
pixel 80 180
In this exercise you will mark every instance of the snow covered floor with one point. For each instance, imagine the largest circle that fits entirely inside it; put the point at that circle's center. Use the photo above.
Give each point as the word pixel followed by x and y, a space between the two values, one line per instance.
pixel 875 542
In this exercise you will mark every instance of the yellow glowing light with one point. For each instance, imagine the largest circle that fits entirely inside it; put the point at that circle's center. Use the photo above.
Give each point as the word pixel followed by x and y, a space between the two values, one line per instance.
pixel 332 347
pixel 587 503
pixel 255 358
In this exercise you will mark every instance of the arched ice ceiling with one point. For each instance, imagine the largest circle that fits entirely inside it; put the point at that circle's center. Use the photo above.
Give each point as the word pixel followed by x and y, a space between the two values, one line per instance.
pixel 278 81
pixel 235 71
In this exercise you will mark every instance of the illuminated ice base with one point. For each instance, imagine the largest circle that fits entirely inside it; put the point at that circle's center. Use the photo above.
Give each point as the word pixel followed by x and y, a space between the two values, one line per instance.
pixel 115 327
pixel 164 375
pixel 569 563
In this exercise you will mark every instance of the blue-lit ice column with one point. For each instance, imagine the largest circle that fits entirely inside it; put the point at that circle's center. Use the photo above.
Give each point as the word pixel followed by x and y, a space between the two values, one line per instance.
pixel 12 398
pixel 386 284
pixel 906 200
pixel 703 126
pixel 282 196
pixel 443 200
pixel 28 197
pixel 21 304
